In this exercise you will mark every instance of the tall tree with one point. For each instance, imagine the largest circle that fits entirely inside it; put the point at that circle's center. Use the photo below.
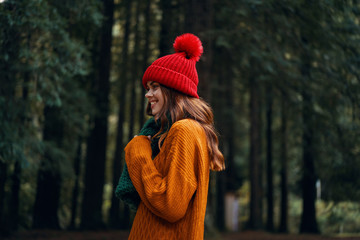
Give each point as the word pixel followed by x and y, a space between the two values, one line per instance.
pixel 308 217
pixel 3 178
pixel 24 119
pixel 145 60
pixel 269 159
pixel 77 182
pixel 232 176
pixel 49 176
pixel 255 221
pixel 309 38
pixel 283 226
pixel 76 106
pixel 199 20
pixel 9 53
pixel 96 150
pixel 166 32
pixel 222 186
pixel 135 71
pixel 116 220
pixel 16 178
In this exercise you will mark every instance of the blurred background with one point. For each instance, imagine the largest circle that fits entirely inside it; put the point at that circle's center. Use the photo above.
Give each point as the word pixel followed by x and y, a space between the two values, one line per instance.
pixel 282 76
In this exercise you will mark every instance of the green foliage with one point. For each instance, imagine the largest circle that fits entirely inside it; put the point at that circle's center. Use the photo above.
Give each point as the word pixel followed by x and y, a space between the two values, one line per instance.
pixel 42 49
pixel 338 218
pixel 271 40
pixel 333 218
pixel 45 61
pixel 300 47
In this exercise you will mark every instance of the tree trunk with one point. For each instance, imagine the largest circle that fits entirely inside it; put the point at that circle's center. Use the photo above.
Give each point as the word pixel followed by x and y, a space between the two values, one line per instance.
pixel 166 34
pixel 10 46
pixel 47 196
pixel 283 227
pixel 199 20
pixel 16 177
pixel 3 178
pixel 226 99
pixel 145 63
pixel 198 16
pixel 96 149
pixel 49 176
pixel 116 220
pixel 76 190
pixel 135 73
pixel 15 191
pixel 219 217
pixel 220 200
pixel 269 151
pixel 255 221
pixel 308 217
pixel 232 183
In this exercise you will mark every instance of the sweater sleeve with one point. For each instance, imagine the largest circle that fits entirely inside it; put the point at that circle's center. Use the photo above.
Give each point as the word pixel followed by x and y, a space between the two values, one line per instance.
pixel 166 196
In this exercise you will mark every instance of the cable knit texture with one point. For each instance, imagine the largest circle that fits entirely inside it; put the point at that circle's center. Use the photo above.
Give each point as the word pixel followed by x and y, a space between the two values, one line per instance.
pixel 173 187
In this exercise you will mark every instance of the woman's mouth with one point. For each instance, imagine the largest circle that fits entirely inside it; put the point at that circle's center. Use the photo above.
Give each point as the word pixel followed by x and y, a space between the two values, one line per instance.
pixel 152 104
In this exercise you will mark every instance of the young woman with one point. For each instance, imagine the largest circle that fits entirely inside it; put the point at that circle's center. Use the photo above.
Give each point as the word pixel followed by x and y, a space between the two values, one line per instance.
pixel 169 162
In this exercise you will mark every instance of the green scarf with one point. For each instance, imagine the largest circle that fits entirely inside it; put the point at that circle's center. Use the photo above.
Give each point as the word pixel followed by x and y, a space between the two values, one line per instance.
pixel 125 189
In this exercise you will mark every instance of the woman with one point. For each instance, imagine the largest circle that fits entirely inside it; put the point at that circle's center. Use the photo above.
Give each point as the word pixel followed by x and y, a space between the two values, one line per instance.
pixel 169 162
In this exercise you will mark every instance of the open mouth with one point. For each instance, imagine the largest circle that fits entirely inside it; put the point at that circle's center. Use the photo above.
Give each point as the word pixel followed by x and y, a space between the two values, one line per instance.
pixel 152 103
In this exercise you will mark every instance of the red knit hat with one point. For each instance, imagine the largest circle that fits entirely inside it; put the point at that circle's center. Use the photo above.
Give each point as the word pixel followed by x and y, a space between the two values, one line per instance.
pixel 178 70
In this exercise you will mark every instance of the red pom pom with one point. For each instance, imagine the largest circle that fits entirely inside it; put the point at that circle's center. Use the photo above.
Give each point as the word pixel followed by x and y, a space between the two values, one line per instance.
pixel 190 45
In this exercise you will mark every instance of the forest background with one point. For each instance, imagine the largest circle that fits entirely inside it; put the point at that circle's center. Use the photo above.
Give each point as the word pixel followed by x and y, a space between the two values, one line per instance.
pixel 282 76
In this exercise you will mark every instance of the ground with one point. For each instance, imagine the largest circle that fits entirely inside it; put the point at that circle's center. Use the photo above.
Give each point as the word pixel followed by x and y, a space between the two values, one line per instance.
pixel 119 235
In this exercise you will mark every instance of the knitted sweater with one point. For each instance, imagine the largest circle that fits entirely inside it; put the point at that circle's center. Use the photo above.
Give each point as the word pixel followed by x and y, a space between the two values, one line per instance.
pixel 173 187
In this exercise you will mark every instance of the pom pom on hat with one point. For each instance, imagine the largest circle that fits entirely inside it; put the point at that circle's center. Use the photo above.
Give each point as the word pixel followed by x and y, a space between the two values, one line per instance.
pixel 190 45
pixel 178 71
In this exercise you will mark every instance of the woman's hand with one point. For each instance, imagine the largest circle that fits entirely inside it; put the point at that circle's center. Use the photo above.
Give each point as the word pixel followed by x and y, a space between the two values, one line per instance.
pixel 149 137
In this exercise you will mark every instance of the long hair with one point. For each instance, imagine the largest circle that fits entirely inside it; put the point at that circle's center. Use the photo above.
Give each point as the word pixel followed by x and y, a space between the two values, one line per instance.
pixel 181 106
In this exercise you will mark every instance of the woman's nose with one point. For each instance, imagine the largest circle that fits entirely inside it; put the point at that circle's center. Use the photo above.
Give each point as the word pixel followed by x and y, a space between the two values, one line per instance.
pixel 148 94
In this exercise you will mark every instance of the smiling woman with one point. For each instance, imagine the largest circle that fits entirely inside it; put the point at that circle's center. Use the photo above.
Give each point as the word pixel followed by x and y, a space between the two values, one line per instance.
pixel 168 163
pixel 155 97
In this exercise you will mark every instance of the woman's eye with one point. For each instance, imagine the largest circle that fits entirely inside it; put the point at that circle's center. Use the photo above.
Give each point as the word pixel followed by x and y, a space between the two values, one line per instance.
pixel 153 87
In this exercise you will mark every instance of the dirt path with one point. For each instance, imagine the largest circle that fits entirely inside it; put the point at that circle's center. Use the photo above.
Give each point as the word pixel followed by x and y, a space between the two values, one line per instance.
pixel 119 235
pixel 249 235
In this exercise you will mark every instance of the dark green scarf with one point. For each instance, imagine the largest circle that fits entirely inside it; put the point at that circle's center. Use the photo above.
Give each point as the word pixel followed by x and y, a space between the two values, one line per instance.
pixel 125 189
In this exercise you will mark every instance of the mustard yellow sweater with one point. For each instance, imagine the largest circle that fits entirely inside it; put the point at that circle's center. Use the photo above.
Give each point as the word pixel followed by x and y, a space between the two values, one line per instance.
pixel 173 187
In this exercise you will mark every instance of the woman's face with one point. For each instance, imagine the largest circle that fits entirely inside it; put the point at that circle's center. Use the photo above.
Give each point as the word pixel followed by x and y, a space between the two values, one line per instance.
pixel 155 97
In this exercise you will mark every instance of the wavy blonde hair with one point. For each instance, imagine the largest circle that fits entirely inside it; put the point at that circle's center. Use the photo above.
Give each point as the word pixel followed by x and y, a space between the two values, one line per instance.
pixel 181 106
